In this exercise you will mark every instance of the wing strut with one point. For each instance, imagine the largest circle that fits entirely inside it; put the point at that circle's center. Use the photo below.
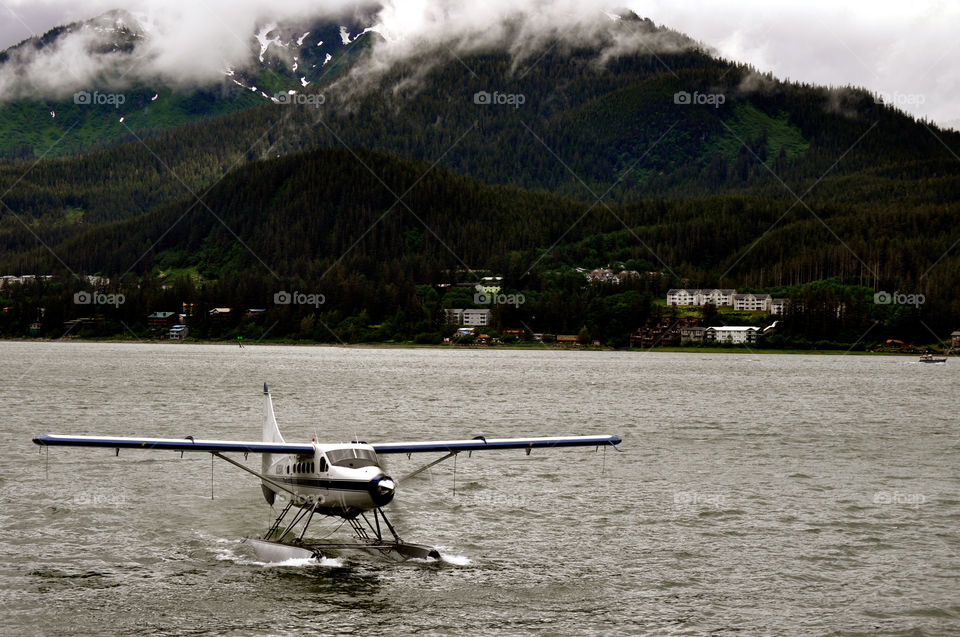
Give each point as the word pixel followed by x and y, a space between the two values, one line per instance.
pixel 249 470
pixel 427 466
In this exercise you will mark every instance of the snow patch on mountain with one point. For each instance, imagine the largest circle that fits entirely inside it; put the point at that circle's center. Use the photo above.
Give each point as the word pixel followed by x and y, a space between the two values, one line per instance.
pixel 266 42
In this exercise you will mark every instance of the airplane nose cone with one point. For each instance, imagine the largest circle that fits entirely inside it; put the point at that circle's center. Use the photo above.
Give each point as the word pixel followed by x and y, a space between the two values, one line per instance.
pixel 382 490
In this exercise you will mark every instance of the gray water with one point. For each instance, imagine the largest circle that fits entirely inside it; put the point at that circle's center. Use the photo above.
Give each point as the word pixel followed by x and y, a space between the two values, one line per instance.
pixel 767 494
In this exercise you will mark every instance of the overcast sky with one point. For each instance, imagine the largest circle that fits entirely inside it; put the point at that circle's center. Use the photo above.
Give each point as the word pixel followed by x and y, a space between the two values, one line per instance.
pixel 908 51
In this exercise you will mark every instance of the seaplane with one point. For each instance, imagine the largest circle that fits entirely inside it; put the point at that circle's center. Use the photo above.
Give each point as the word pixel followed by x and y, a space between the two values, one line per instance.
pixel 311 479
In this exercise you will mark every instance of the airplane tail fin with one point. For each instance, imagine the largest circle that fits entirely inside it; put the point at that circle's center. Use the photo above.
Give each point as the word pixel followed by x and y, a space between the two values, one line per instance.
pixel 271 433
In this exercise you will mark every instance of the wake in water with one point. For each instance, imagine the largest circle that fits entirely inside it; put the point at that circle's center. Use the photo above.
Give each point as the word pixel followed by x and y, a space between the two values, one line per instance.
pixel 449 558
pixel 223 549
pixel 226 553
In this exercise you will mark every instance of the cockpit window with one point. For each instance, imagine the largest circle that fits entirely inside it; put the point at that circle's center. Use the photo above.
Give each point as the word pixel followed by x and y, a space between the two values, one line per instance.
pixel 353 457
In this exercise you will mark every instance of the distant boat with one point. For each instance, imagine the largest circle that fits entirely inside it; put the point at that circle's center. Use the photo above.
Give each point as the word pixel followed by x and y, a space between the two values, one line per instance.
pixel 930 358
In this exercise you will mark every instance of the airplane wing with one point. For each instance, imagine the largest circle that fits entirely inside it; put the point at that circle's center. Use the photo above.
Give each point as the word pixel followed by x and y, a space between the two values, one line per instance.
pixel 483 444
pixel 190 444
pixel 173 444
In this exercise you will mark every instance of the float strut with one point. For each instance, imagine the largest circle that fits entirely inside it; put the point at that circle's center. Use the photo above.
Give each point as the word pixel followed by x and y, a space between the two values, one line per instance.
pixel 276 525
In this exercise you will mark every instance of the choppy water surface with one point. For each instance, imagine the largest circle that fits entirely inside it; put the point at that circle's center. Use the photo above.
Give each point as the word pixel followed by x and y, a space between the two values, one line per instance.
pixel 754 495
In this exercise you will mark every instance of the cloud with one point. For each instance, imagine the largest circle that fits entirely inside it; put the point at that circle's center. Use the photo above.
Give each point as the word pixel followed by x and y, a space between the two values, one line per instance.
pixel 906 50
pixel 185 43
pixel 177 42
pixel 442 31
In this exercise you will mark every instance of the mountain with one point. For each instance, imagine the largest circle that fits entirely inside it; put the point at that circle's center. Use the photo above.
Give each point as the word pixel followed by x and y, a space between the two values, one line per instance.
pixel 697 170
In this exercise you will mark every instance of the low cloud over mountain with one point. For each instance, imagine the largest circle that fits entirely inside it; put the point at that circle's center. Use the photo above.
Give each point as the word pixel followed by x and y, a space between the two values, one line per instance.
pixel 189 44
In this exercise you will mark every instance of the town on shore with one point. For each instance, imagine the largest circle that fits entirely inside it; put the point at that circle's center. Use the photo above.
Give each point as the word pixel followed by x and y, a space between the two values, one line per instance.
pixel 477 313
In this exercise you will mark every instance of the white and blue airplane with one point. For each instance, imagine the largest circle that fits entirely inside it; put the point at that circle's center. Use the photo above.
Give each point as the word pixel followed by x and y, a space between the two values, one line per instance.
pixel 338 480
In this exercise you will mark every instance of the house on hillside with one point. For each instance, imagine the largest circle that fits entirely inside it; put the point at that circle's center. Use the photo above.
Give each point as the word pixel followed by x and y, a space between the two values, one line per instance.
pixel 778 306
pixel 692 334
pixel 490 285
pixel 686 296
pixel 607 275
pixel 733 334
pixel 219 314
pixel 161 319
pixel 667 331
pixel 752 302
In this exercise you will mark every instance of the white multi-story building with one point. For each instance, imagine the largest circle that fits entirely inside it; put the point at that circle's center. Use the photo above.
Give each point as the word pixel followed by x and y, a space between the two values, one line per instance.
pixel 777 306
pixel 685 296
pixel 681 297
pixel 752 302
pixel 457 316
pixel 732 334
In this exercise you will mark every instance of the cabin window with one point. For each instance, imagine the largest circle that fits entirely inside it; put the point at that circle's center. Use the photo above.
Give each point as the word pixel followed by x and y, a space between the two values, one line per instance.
pixel 288 468
pixel 323 465
pixel 354 457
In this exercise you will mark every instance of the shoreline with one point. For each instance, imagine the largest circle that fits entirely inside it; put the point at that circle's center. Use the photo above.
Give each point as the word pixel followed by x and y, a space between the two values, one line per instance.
pixel 520 346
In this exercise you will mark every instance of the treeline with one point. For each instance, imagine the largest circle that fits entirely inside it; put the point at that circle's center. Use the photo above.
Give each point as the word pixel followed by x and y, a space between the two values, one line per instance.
pixel 823 315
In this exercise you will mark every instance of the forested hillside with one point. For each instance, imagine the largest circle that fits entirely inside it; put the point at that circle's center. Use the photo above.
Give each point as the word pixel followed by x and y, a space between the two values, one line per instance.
pixel 373 192
pixel 328 222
